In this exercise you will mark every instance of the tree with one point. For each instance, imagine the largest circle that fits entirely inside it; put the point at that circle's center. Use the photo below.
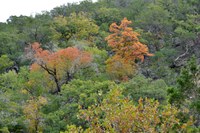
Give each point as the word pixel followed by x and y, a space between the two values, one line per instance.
pixel 142 87
pixel 96 71
pixel 119 68
pixel 126 47
pixel 155 21
pixel 187 92
pixel 125 43
pixel 105 16
pixel 11 102
pixel 32 29
pixel 32 113
pixel 60 65
pixel 118 114
pixel 62 110
pixel 77 26
pixel 9 43
pixel 5 62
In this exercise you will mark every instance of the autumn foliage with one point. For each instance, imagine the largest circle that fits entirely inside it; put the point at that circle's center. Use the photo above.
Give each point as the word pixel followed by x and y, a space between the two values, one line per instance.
pixel 126 46
pixel 119 68
pixel 119 115
pixel 32 113
pixel 60 65
pixel 125 43
pixel 61 58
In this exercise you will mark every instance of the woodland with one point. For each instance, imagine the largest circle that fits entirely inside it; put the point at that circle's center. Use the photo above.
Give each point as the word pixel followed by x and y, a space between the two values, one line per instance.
pixel 111 66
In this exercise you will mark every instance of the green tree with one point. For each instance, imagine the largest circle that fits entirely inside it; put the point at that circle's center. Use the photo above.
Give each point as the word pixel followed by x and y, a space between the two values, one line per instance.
pixel 76 26
pixel 139 86
pixel 105 16
pixel 63 109
pixel 187 92
pixel 155 21
pixel 11 102
pixel 5 62
pixel 9 45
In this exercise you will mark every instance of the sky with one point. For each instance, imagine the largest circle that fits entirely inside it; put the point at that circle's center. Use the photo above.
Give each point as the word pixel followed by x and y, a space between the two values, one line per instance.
pixel 28 7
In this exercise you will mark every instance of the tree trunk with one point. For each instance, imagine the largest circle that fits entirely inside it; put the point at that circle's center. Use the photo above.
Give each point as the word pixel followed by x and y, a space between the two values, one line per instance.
pixel 58 88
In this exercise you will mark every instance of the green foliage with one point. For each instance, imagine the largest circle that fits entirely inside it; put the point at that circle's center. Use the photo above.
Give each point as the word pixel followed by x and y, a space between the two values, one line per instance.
pixel 96 71
pixel 160 67
pixel 77 26
pixel 5 62
pixel 187 30
pixel 10 104
pixel 139 86
pixel 4 130
pixel 155 21
pixel 134 8
pixel 31 29
pixel 15 90
pixel 105 16
pixel 63 110
pixel 8 41
pixel 186 94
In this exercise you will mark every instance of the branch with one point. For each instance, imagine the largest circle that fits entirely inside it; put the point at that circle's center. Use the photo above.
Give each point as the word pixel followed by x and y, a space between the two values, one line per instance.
pixel 49 71
pixel 186 52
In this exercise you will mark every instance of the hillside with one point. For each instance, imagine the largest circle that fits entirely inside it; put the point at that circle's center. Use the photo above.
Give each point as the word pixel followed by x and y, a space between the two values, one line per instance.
pixel 109 66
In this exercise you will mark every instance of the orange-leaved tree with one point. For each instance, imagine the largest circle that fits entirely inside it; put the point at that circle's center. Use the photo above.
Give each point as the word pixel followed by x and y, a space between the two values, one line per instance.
pixel 60 65
pixel 126 46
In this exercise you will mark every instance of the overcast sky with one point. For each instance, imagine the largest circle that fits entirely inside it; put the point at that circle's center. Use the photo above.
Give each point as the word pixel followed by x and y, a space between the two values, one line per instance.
pixel 28 7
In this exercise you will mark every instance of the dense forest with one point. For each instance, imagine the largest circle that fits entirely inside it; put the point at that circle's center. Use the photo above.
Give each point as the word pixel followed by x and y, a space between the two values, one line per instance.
pixel 114 66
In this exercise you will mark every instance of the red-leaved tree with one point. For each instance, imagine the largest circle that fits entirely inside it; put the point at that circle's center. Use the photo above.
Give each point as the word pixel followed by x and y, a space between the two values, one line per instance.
pixel 60 65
